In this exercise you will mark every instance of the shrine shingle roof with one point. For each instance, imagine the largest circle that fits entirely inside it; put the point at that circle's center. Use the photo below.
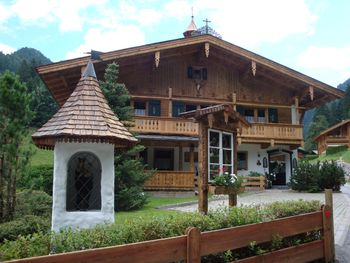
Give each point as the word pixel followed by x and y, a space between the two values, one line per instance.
pixel 84 117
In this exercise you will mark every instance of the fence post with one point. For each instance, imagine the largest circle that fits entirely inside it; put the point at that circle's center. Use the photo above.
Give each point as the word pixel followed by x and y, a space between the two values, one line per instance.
pixel 327 233
pixel 329 203
pixel 262 179
pixel 193 245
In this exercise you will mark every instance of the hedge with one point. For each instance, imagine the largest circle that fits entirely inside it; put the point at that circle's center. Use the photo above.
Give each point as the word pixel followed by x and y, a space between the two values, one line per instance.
pixel 139 229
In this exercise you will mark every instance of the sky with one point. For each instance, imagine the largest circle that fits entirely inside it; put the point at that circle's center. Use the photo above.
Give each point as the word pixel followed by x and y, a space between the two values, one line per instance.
pixel 310 36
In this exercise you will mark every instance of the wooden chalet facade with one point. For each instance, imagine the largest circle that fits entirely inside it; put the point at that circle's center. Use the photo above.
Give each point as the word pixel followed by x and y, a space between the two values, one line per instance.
pixel 337 135
pixel 171 77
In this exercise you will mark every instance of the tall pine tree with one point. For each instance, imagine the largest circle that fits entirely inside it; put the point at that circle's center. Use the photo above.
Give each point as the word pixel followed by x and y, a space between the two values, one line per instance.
pixel 130 172
pixel 15 117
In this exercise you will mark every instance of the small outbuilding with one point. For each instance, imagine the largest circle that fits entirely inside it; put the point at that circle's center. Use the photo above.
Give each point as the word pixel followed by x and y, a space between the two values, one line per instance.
pixel 83 133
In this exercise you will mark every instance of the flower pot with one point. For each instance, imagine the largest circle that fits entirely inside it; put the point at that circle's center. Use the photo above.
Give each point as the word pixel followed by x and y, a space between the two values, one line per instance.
pixel 224 190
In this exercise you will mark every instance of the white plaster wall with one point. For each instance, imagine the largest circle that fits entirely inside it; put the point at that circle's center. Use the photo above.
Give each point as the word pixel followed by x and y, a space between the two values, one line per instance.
pixel 82 219
pixel 253 150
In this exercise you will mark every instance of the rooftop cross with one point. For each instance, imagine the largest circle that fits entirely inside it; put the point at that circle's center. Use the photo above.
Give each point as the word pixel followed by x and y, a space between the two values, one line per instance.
pixel 206 25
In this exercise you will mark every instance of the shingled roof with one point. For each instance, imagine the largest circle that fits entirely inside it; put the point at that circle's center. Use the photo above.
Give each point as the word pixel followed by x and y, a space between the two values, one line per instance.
pixel 84 117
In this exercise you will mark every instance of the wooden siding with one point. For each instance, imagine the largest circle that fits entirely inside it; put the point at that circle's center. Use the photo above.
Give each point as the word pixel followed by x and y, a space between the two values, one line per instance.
pixel 222 80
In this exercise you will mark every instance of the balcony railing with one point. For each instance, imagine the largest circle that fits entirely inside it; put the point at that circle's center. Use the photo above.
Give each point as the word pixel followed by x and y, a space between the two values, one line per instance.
pixel 146 124
pixel 177 126
pixel 273 131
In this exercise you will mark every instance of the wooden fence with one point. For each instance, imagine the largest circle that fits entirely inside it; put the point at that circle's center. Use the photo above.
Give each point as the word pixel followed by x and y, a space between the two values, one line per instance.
pixel 185 180
pixel 171 180
pixel 254 182
pixel 194 244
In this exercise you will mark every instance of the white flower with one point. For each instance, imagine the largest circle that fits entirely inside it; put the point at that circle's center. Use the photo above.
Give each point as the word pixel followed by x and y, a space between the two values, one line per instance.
pixel 233 178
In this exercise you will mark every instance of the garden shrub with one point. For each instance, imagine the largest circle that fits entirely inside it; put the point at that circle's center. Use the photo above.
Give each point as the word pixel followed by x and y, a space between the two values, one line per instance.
pixel 138 229
pixel 317 177
pixel 332 176
pixel 305 177
pixel 25 225
pixel 336 149
pixel 29 202
pixel 38 177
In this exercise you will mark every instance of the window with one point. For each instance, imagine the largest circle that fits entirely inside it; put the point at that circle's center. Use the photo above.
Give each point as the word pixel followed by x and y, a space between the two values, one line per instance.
pixel 140 108
pixel 220 157
pixel 189 107
pixel 178 107
pixel 154 108
pixel 261 115
pixel 248 114
pixel 164 159
pixel 199 73
pixel 83 182
pixel 242 160
pixel 273 115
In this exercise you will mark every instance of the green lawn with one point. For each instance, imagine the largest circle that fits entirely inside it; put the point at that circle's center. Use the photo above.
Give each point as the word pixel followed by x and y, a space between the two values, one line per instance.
pixel 150 209
pixel 344 155
pixel 41 157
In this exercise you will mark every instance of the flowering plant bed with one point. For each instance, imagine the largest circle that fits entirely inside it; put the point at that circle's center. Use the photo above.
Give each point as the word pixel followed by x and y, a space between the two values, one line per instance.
pixel 226 184
pixel 224 190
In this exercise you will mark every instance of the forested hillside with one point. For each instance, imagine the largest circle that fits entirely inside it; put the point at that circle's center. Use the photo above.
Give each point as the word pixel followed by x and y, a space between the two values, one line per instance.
pixel 317 120
pixel 23 63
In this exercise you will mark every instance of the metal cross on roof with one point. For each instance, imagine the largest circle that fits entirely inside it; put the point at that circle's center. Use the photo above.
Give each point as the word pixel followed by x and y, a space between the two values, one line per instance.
pixel 206 25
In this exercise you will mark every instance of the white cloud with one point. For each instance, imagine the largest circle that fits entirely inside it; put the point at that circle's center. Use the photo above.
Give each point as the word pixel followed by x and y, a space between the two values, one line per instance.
pixel 331 64
pixel 5 13
pixel 180 9
pixel 250 23
pixel 108 40
pixel 6 49
pixel 325 57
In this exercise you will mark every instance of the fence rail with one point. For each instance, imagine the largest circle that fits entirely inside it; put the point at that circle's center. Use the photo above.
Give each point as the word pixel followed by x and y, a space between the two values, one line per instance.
pixel 192 246
pixel 171 180
pixel 254 182
pixel 185 180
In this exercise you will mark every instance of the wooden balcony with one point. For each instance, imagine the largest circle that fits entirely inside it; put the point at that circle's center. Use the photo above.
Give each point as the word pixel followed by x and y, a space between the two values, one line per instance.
pixel 257 132
pixel 176 126
pixel 341 140
pixel 279 132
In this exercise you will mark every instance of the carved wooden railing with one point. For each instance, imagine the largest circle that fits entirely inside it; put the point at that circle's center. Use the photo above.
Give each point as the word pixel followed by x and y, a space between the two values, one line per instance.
pixel 161 125
pixel 171 180
pixel 146 124
pixel 273 131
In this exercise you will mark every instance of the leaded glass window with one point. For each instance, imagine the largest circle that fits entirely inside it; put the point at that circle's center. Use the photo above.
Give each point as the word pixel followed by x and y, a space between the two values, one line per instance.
pixel 84 182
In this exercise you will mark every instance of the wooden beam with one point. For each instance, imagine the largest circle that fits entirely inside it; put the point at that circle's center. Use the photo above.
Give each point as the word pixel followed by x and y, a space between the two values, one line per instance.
pixel 311 91
pixel 203 168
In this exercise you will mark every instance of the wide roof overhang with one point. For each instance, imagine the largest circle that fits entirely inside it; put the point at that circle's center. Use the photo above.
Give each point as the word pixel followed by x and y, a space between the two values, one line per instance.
pixel 62 77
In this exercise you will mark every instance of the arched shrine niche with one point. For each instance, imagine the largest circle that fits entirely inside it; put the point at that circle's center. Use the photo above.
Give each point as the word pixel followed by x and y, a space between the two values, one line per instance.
pixel 83 182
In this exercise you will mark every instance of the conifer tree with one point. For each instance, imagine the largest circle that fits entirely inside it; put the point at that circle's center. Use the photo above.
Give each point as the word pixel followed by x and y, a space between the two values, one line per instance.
pixel 318 124
pixel 130 172
pixel 15 117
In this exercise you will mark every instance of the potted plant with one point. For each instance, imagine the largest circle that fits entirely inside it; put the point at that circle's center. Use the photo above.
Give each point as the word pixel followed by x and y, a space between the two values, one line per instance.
pixel 226 184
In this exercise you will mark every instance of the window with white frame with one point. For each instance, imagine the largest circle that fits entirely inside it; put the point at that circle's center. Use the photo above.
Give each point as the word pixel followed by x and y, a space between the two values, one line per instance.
pixel 220 153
